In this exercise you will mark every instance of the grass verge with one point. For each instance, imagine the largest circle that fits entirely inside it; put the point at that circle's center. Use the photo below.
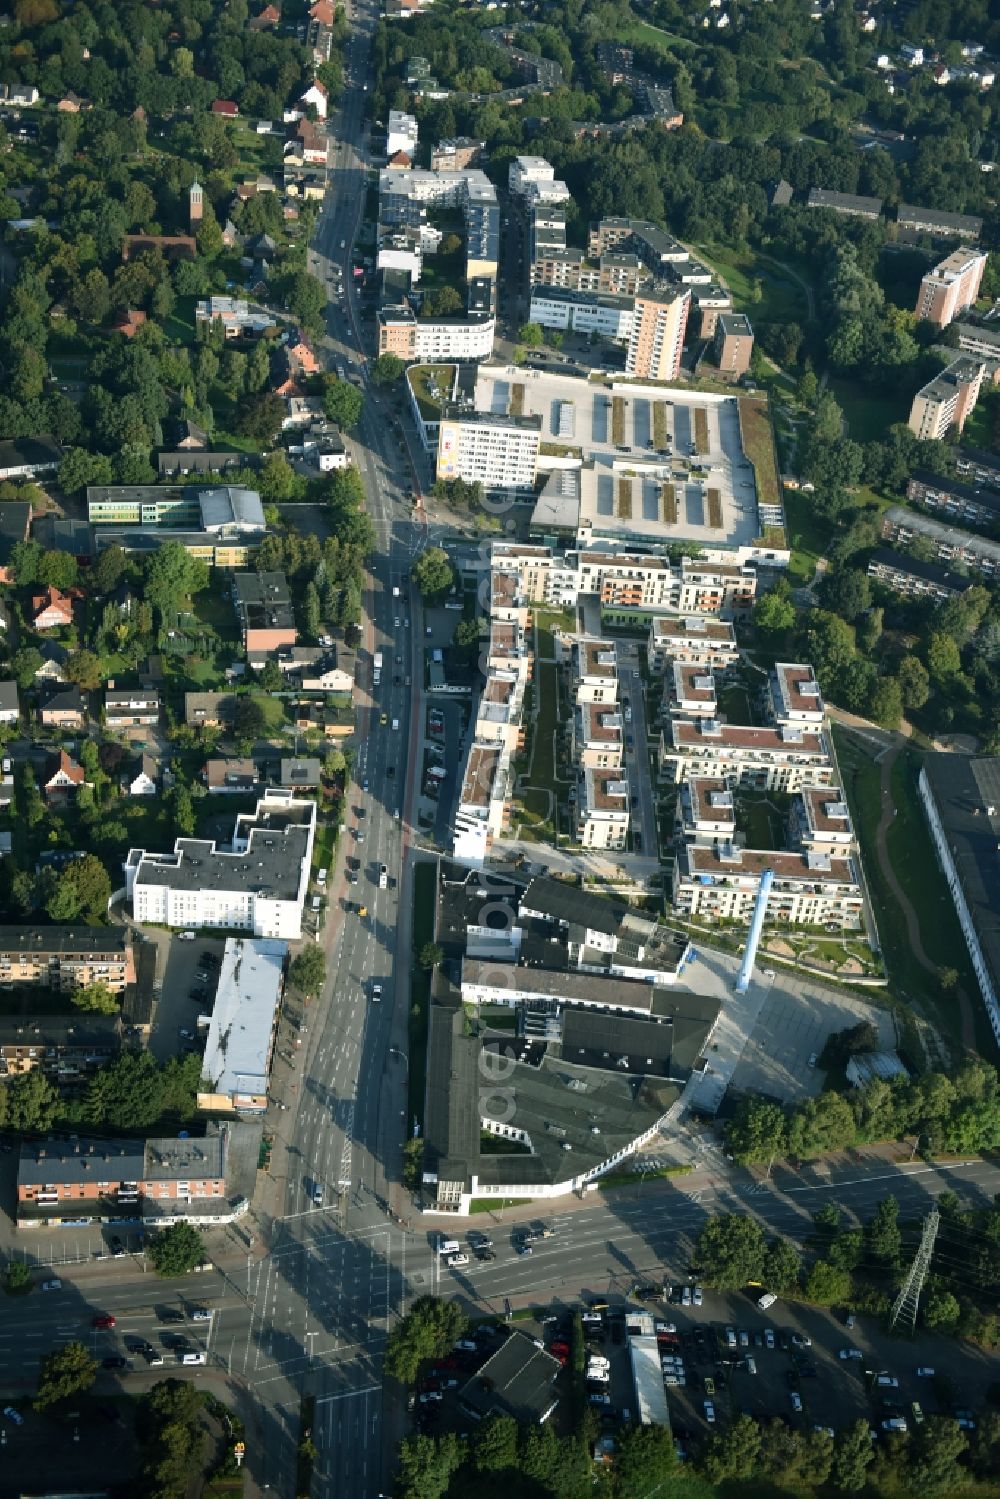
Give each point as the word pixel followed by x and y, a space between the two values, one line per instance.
pixel 636 1178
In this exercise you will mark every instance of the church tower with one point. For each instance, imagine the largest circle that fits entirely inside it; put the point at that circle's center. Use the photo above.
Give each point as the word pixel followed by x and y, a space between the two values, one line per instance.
pixel 196 205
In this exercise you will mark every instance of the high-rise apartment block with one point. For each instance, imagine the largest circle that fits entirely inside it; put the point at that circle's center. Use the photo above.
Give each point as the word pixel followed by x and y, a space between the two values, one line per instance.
pixel 733 343
pixel 947 400
pixel 658 325
pixel 951 287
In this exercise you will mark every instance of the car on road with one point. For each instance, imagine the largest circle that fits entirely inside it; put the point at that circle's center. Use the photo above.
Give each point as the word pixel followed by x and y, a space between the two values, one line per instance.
pixel 799 1340
pixel 14 1415
pixel 114 1362
pixel 185 1035
pixel 376 993
pixel 456 1261
pixel 523 1246
pixel 709 1412
pixel 480 1240
pixel 916 1411
pixel 317 1196
pixel 796 1400
pixel 854 1353
pixel 484 1255
pixel 103 1320
pixel 744 1338
pixel 769 1338
pixel 924 1372
pixel 599 1398
pixel 895 1423
pixel 51 1285
pixel 383 719
pixel 201 1314
pixel 686 1296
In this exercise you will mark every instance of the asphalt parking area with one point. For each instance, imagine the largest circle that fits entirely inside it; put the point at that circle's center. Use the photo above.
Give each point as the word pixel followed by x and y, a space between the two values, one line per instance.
pixel 177 967
pixel 794 1023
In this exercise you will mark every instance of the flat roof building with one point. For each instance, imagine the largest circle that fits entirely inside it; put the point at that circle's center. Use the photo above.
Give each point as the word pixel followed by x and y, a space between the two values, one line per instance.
pixel 240 1043
pixel 961 800
pixel 851 204
pixel 948 400
pixel 951 287
pixel 952 545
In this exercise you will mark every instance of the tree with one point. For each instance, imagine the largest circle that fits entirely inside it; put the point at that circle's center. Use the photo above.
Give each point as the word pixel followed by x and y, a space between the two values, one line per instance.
pixel 177 1249
pixel 311 618
pixel 495 1446
pixel 847 592
pixel 781 1266
pixel 249 718
pixel 885 702
pixel 305 296
pixel 32 1103
pixel 428 1330
pixel 883 1234
pixel 431 954
pixel 853 1454
pixel 427 1464
pixel 733 1452
pixel 433 573
pixel 65 1371
pixel 914 683
pixel 82 892
pixel 387 369
pixel 937 1445
pixel 182 810
pixel 270 678
pixel 84 668
pixel 644 1458
pixel 261 416
pixel 307 970
pixel 173 576
pixel 774 611
pixel 466 639
pixel 343 403
pixel 943 659
pixel 80 468
pixel 730 1251
pixel 57 570
pixel 24 663
pixel 127 1093
pixel 756 1131
pixel 532 335
pixel 819 1125
pixel 107 572
pixel 827 1283
pixel 17 1278
pixel 96 997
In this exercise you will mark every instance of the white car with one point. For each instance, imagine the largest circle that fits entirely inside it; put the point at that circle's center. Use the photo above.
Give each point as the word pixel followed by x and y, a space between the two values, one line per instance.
pixel 686 1296
pixel 924 1372
pixel 201 1314
pixel 895 1423
pixel 599 1376
pixel 51 1285
pixel 698 1296
pixel 709 1412
pixel 665 1327
pixel 673 1380
pixel 185 936
pixel 796 1400
pixel 800 1340
pixel 456 1261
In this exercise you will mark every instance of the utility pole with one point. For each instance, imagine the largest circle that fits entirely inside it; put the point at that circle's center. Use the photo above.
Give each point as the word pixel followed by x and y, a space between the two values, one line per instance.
pixel 908 1300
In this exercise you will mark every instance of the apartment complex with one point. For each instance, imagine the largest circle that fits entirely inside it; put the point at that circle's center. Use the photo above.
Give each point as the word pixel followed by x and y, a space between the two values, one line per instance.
pixel 947 400
pixel 951 287
pixel 637 584
pixel 950 500
pixel 65 1048
pixel 464 336
pixel 401 134
pixel 691 640
pixel 456 154
pixel 257 883
pixel 263 606
pixel 659 322
pixel 981 340
pixel 810 887
pixel 733 343
pixel 853 205
pixel 951 545
pixel 66 957
pixel 913 577
pixel 772 757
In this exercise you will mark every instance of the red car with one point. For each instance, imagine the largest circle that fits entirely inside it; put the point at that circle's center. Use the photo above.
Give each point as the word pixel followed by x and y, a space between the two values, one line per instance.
pixel 559 1348
pixel 104 1320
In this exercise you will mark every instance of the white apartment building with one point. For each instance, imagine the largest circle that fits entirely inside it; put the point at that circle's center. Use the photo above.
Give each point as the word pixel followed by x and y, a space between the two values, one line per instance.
pixel 706 810
pixel 638 582
pixel 811 888
pixel 597 736
pixel 483 812
pixel 821 819
pixel 691 692
pixel 601 313
pixel 795 695
pixel 402 134
pixel 257 884
pixel 499 452
pixel 602 809
pixel 595 671
pixel 525 170
pixel 696 640
pixel 464 338
pixel 768 759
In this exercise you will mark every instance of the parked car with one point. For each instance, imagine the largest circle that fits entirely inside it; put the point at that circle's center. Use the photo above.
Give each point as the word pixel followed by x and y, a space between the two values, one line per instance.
pixel 796 1400
pixel 709 1412
pixel 854 1353
pixel 13 1414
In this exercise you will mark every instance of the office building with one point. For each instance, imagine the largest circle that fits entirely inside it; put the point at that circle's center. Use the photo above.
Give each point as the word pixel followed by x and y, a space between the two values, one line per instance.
pixel 951 287
pixel 948 400
pixel 659 321
pixel 499 452
pixel 257 883
pixel 602 314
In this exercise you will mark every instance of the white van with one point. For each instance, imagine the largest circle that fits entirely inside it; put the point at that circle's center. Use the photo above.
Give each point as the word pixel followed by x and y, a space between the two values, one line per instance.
pixel 448 1246
pixel 395 725
pixel 751 1364
pixel 193 1358
pixel 321 877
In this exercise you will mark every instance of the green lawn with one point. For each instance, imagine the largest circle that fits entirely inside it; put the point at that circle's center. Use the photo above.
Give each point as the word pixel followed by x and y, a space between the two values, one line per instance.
pixel 648 35
pixel 808 535
pixel 868 414
pixel 734 702
pixel 913 860
pixel 180 326
pixel 781 300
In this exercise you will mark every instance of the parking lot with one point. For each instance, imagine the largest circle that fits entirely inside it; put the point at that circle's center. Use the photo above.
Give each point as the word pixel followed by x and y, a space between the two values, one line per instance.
pixel 178 965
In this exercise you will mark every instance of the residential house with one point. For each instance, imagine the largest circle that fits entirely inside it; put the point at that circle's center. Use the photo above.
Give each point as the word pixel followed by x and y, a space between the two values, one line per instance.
pixel 316 95
pixel 183 461
pixel 847 203
pixel 53 609
pixel 239 318
pixel 268 18
pixel 143 781
pixel 131 707
pixel 64 708
pixel 335 673
pixel 10 709
pixel 62 776
pixel 226 107
pixel 15 519
pixel 209 709
pixel 300 775
pixel 54 658
pixel 191 437
pixel 20 95
pixel 71 104
pixel 128 323
pixel 228 775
